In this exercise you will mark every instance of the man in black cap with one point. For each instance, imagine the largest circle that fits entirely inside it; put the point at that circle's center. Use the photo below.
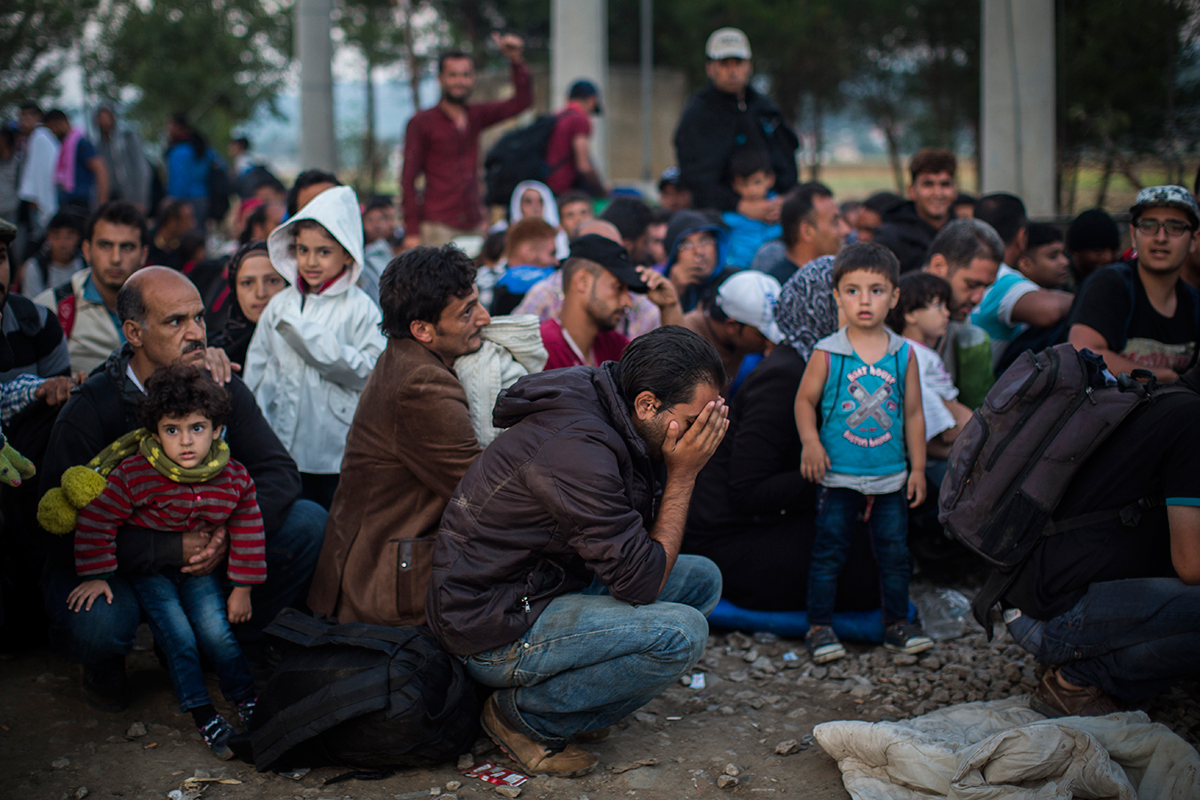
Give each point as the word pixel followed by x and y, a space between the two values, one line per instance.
pixel 597 279
pixel 568 153
pixel 556 571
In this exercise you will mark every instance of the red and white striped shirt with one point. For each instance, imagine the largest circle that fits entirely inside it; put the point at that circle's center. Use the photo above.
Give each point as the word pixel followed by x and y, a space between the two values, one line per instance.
pixel 138 494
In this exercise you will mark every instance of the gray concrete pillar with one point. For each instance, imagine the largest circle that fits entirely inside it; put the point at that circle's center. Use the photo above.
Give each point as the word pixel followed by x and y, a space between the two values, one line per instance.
pixel 1018 147
pixel 314 51
pixel 579 49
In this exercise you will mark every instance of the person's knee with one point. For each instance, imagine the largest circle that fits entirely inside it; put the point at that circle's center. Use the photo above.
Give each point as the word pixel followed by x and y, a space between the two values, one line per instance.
pixel 301 535
pixel 104 631
pixel 705 576
pixel 684 633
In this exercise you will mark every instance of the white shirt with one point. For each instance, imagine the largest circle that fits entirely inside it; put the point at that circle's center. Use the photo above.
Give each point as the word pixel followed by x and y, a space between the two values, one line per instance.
pixel 936 388
pixel 37 176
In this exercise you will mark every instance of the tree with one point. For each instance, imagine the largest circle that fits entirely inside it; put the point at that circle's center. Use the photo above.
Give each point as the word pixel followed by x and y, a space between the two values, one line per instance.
pixel 36 37
pixel 215 61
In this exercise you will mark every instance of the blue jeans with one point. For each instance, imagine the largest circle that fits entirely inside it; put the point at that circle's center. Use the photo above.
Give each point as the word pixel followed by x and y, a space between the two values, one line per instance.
pixel 187 613
pixel 886 518
pixel 590 660
pixel 1131 638
pixel 109 630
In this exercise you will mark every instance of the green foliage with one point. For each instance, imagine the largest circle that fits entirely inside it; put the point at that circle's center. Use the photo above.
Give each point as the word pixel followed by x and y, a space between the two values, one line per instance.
pixel 35 39
pixel 215 60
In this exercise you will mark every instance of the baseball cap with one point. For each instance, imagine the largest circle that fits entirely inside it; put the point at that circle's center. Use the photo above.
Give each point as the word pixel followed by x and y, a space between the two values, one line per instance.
pixel 1169 196
pixel 727 43
pixel 612 256
pixel 583 89
pixel 749 298
pixel 670 175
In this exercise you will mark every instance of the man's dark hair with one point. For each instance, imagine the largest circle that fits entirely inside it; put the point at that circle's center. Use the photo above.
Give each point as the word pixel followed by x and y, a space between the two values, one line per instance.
pixel 65 219
pixel 418 285
pixel 257 217
pixel 448 55
pixel 377 202
pixel 131 304
pixel 171 210
pixel 1092 230
pixel 55 115
pixel 660 215
pixel 29 105
pixel 670 362
pixel 191 243
pixel 493 247
pixel 935 160
pixel 630 215
pixel 1004 212
pixel 571 267
pixel 747 161
pixel 798 207
pixel 303 181
pixel 883 202
pixel 178 390
pixel 965 199
pixel 1040 234
pixel 866 256
pixel 117 212
pixel 572 196
pixel 917 291
pixel 242 141
pixel 961 241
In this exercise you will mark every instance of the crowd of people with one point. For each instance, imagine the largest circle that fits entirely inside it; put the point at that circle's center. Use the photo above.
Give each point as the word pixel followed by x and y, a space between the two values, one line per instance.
pixel 561 453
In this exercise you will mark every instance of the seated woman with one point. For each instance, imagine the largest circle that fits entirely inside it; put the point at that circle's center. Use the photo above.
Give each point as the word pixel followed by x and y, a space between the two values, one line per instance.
pixel 752 512
pixel 252 284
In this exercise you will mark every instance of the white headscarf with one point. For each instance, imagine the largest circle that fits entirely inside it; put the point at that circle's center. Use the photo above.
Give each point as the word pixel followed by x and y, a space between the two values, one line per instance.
pixel 549 213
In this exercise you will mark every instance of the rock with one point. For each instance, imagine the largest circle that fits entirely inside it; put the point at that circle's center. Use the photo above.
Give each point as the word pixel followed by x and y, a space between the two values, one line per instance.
pixel 819 673
pixel 61 763
pixel 645 717
pixel 726 781
pixel 738 676
pixel 739 641
pixel 466 761
pixel 508 791
pixel 940 695
pixel 796 713
pixel 861 690
pixel 751 656
pixel 136 731
pixel 904 660
pixel 757 703
pixel 732 770
pixel 933 662
pixel 81 793
pixel 763 664
pixel 453 786
pixel 727 711
pixel 787 747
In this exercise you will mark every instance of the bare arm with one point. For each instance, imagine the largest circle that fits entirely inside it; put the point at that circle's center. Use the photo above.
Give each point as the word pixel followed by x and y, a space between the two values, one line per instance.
pixel 813 458
pixel 685 456
pixel 914 431
pixel 939 446
pixel 1184 522
pixel 583 156
pixel 1042 308
pixel 1082 336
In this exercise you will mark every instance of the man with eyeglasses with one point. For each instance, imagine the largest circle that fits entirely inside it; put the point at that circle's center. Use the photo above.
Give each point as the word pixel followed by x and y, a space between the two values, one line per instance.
pixel 1140 313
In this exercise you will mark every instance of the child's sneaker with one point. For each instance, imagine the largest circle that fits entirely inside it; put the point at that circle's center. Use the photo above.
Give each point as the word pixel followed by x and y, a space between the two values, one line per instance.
pixel 216 733
pixel 245 711
pixel 904 637
pixel 823 644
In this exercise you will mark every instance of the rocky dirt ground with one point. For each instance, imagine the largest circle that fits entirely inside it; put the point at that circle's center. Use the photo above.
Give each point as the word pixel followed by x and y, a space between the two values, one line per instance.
pixel 746 731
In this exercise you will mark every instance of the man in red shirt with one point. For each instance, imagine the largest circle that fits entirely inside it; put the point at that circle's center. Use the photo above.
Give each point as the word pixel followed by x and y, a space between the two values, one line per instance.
pixel 442 143
pixel 597 279
pixel 567 153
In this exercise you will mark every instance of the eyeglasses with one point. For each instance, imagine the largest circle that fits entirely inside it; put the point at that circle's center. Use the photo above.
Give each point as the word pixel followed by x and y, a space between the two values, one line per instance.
pixel 1173 227
pixel 705 242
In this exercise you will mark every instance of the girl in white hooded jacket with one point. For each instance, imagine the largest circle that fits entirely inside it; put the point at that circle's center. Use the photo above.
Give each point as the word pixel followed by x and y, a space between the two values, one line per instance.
pixel 317 340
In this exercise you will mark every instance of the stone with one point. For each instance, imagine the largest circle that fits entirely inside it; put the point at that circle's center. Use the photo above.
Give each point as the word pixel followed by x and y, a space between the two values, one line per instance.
pixel 738 676
pixel 727 711
pixel 739 641
pixel 645 717
pixel 466 761
pixel 136 731
pixel 731 769
pixel 796 712
pixel 751 656
pixel 931 662
pixel 940 695
pixel 763 664
pixel 787 747
pixel 81 793
pixel 61 763
pixel 862 690
pixel 453 786
pixel 819 673
pixel 726 781
pixel 508 791
pixel 757 703
pixel 904 660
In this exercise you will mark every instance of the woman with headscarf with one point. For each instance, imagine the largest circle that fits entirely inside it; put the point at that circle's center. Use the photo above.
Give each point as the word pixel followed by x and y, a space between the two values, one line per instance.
pixel 252 284
pixel 534 198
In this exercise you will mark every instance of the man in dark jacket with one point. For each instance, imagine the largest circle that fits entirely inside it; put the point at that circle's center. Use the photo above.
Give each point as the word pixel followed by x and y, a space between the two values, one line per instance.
pixel 909 228
pixel 561 529
pixel 723 116
pixel 163 320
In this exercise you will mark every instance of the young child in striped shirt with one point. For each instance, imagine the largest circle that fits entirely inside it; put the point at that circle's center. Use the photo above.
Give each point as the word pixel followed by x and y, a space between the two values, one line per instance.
pixel 181 479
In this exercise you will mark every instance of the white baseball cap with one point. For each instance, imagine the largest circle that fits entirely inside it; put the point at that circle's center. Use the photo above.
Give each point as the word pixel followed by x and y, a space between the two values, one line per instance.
pixel 727 43
pixel 749 297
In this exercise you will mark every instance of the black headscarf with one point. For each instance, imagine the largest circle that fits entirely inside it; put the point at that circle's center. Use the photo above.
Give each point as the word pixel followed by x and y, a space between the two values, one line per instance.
pixel 234 339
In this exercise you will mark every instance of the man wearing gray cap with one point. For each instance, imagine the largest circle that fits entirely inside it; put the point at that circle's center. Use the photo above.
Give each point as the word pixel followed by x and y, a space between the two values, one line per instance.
pixel 1140 313
pixel 726 115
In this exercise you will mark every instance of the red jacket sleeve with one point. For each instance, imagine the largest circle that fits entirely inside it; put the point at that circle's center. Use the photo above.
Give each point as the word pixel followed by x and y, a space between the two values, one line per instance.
pixel 416 146
pixel 247 542
pixel 490 113
pixel 96 527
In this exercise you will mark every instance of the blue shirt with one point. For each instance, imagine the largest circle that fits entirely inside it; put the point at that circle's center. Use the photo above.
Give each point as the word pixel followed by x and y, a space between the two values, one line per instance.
pixel 85 181
pixel 744 236
pixel 187 175
pixel 92 295
pixel 994 314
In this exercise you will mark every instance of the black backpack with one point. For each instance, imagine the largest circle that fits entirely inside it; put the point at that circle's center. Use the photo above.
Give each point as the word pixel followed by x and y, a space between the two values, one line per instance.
pixel 220 186
pixel 519 155
pixel 365 696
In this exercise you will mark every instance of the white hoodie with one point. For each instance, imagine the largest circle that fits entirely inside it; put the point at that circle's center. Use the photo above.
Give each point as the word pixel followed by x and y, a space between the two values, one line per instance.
pixel 562 247
pixel 311 354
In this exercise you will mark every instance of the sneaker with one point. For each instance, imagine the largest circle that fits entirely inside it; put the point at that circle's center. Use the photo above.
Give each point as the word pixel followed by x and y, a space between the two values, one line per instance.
pixel 245 710
pixel 105 687
pixel 1052 699
pixel 216 733
pixel 823 644
pixel 905 637
pixel 534 758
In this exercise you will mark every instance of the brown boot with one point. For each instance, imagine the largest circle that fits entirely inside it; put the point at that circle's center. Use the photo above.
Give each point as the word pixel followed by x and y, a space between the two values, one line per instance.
pixel 1052 699
pixel 534 758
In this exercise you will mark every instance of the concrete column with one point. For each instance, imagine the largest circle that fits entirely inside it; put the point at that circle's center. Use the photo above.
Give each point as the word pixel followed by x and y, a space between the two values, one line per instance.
pixel 1018 147
pixel 314 51
pixel 579 49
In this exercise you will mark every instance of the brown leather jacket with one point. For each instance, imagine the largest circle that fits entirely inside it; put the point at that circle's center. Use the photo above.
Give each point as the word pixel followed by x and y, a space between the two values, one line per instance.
pixel 564 495
pixel 410 443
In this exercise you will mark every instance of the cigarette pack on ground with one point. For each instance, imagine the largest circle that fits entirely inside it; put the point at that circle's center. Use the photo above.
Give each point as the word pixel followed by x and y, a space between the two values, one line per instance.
pixel 487 771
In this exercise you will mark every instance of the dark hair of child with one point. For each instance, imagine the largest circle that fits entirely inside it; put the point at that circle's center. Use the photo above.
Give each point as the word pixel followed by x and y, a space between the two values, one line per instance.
pixel 866 256
pixel 917 291
pixel 178 390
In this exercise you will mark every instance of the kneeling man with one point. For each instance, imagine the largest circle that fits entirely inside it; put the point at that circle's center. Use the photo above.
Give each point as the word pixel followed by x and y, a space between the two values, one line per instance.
pixel 556 574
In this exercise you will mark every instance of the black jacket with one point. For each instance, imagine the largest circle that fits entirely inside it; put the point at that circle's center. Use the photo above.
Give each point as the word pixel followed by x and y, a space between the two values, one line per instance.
pixel 104 409
pixel 563 496
pixel 716 123
pixel 907 235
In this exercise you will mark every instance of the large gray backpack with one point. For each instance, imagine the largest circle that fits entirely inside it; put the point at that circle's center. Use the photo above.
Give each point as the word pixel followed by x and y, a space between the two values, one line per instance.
pixel 1016 457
